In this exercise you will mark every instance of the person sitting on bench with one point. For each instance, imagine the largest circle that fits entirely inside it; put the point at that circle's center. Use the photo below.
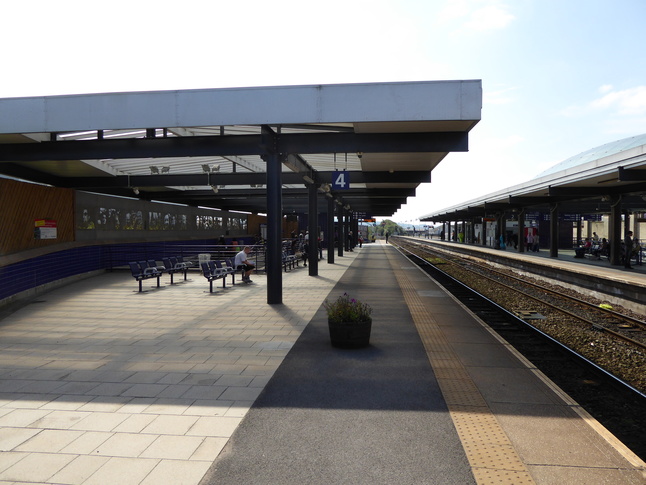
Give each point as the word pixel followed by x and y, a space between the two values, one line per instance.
pixel 241 261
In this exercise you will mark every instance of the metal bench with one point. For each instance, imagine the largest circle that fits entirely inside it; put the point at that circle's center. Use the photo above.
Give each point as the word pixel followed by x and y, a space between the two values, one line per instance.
pixel 141 271
pixel 212 273
pixel 290 261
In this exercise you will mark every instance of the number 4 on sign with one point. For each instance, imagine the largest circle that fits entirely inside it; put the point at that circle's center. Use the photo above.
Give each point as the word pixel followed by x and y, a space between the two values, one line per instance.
pixel 340 180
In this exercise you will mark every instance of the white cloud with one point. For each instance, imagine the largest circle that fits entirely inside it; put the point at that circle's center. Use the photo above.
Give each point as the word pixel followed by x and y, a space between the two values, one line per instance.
pixel 499 96
pixel 455 9
pixel 477 15
pixel 619 112
pixel 628 102
pixel 490 17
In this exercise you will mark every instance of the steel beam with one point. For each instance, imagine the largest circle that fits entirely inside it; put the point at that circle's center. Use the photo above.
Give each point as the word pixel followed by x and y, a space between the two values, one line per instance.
pixel 229 179
pixel 195 146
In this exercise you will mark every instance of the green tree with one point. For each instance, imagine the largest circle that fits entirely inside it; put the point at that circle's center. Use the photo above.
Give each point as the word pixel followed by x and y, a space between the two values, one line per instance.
pixel 390 227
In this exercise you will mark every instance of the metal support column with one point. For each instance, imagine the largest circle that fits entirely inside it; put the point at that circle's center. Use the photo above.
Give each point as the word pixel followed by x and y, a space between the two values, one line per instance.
pixel 355 231
pixel 312 228
pixel 340 228
pixel 554 231
pixel 499 223
pixel 274 219
pixel 330 230
pixel 521 231
pixel 346 230
pixel 615 230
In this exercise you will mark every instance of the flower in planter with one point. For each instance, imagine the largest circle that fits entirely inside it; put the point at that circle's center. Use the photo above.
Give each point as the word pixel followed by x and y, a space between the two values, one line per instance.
pixel 347 310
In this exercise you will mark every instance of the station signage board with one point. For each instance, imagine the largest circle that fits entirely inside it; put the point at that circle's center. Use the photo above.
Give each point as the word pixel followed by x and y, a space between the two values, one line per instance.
pixel 340 180
pixel 45 229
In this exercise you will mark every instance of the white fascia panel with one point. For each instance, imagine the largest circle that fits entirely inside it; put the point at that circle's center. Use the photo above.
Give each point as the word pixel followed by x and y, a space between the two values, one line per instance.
pixel 407 101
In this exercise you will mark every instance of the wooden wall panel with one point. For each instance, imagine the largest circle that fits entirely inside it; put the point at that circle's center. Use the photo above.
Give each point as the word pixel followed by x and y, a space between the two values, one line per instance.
pixel 22 203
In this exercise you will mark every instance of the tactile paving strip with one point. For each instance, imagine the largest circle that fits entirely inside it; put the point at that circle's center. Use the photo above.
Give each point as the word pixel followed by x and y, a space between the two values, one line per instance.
pixel 491 455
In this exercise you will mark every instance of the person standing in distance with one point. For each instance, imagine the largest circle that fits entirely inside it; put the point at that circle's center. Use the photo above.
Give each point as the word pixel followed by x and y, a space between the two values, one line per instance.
pixel 242 261
pixel 628 249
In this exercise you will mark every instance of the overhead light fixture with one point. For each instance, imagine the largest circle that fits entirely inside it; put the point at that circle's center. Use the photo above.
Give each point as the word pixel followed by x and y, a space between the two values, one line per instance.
pixel 165 169
pixel 308 179
pixel 206 168
pixel 135 190
pixel 215 189
pixel 360 155
pixel 154 169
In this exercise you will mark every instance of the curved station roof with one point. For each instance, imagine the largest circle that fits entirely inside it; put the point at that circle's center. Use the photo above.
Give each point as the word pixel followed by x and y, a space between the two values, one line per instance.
pixel 587 183
pixel 209 147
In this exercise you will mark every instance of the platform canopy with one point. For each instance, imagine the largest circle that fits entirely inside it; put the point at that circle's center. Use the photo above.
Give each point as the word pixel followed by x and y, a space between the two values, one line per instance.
pixel 591 182
pixel 209 147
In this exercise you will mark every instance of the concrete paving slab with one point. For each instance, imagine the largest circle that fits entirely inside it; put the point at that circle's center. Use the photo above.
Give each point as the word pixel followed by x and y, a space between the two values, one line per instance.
pixel 79 366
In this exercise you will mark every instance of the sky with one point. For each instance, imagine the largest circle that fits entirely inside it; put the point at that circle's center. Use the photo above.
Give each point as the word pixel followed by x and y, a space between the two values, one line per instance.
pixel 559 76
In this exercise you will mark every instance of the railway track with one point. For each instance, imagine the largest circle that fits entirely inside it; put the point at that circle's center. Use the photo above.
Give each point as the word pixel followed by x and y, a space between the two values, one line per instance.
pixel 618 405
pixel 602 318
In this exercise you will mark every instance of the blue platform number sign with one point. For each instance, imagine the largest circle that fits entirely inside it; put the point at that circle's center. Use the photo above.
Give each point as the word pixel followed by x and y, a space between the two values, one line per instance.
pixel 340 180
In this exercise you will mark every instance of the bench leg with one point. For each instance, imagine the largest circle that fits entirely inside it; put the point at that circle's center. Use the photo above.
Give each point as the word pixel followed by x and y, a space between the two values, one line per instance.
pixel 210 286
pixel 171 278
pixel 141 290
pixel 158 282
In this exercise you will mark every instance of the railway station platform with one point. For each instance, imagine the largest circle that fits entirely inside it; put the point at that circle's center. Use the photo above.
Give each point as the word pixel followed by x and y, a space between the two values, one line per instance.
pixel 101 385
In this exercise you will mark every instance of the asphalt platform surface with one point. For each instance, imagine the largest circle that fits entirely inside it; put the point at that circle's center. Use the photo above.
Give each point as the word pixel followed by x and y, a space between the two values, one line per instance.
pixel 362 416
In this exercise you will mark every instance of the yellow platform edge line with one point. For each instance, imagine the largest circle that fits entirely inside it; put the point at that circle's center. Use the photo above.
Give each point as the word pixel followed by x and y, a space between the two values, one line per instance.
pixel 493 462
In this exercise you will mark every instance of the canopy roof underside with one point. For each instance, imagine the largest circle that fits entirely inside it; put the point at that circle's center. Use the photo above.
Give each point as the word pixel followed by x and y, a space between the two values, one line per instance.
pixel 208 147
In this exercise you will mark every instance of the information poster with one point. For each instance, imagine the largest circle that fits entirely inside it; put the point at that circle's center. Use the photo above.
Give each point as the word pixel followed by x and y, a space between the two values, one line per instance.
pixel 45 229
